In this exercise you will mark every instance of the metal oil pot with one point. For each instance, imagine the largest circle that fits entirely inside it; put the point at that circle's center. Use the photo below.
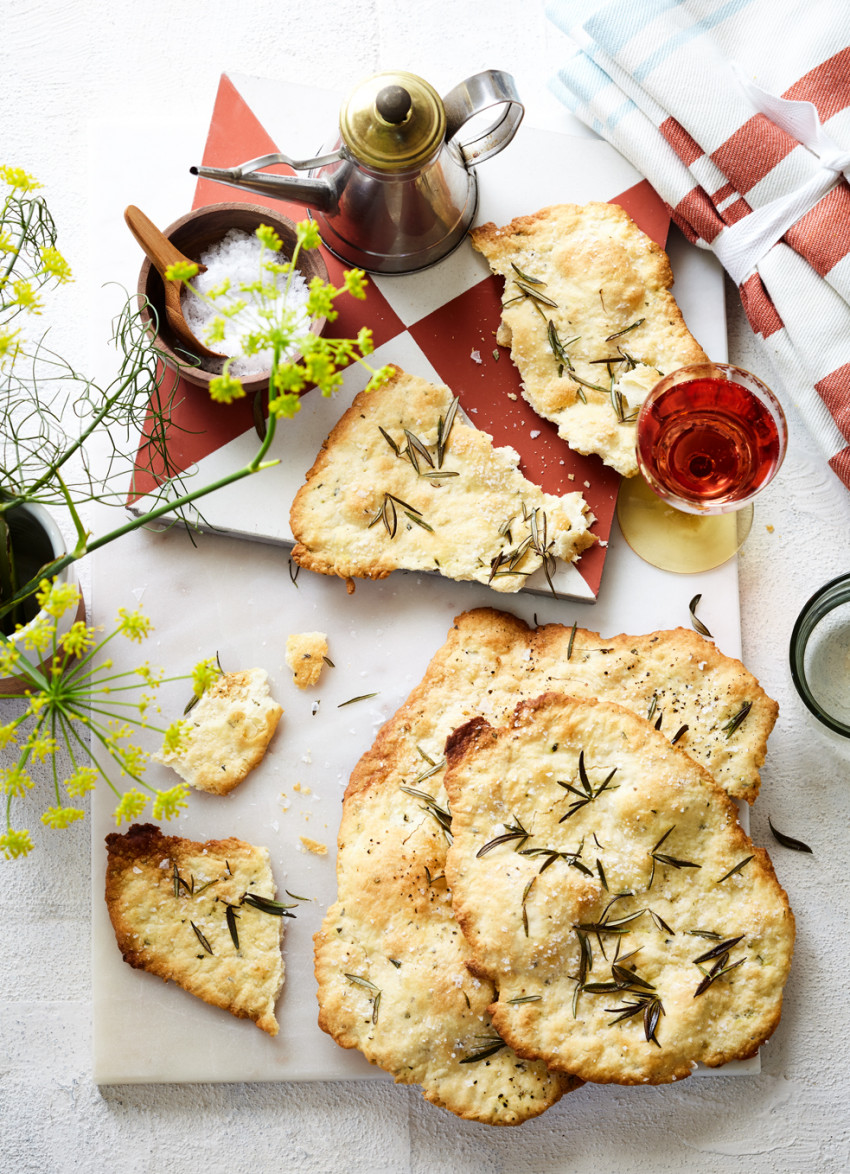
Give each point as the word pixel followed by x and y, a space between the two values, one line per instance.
pixel 396 190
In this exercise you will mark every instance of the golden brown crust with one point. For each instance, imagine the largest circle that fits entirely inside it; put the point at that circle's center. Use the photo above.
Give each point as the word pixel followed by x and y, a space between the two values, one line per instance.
pixel 154 924
pixel 610 823
pixel 492 659
pixel 365 511
pixel 231 727
pixel 604 275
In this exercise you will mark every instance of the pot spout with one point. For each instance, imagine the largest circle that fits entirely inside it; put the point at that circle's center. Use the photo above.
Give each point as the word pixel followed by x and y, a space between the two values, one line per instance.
pixel 319 194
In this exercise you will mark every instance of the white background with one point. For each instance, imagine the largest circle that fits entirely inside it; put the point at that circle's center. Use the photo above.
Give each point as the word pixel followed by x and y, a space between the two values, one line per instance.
pixel 65 64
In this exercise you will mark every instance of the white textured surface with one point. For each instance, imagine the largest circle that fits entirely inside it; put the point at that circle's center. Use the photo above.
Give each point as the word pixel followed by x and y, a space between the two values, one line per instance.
pixel 64 63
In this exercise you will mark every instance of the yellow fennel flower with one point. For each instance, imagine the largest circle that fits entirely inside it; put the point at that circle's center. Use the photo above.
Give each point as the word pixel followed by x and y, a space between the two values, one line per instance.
pixel 132 804
pixel 135 625
pixel 169 803
pixel 60 817
pixel 14 844
pixel 83 779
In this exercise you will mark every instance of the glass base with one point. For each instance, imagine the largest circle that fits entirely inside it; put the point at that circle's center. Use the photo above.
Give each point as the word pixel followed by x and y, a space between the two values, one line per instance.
pixel 672 540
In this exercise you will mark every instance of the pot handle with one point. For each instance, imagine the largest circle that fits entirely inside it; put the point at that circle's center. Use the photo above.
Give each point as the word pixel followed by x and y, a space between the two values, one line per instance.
pixel 478 93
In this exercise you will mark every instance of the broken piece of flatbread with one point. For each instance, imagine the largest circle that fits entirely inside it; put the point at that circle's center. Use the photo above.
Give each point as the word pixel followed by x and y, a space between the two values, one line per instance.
pixel 589 319
pixel 198 914
pixel 392 925
pixel 606 888
pixel 391 962
pixel 305 655
pixel 231 727
pixel 400 483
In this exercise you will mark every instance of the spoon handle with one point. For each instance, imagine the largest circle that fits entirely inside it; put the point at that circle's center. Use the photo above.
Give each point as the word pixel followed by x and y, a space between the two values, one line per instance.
pixel 157 247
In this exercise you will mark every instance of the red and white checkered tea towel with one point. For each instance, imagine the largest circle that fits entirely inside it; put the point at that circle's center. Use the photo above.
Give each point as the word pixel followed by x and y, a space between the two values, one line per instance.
pixel 738 113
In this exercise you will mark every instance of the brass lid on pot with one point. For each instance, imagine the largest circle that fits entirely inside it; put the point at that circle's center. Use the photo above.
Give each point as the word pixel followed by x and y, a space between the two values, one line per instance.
pixel 393 121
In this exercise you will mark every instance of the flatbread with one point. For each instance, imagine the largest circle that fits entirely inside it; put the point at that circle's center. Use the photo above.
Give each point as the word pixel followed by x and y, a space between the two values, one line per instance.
pixel 391 962
pixel 231 727
pixel 392 924
pixel 367 509
pixel 159 887
pixel 610 284
pixel 605 886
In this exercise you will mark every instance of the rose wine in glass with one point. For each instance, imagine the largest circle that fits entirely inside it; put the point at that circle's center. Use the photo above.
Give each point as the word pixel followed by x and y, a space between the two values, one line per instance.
pixel 709 438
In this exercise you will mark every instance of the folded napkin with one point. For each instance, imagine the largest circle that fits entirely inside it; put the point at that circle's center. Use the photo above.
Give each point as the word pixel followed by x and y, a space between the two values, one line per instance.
pixel 738 113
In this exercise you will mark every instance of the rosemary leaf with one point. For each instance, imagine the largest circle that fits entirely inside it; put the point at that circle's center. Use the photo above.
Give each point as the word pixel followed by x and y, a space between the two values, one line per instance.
pixel 484 1052
pixel 267 905
pixel 201 938
pixel 627 330
pixel 698 625
pixel 787 841
pixel 525 277
pixel 351 700
pixel 735 722
pixel 721 948
pixel 230 916
pixel 741 864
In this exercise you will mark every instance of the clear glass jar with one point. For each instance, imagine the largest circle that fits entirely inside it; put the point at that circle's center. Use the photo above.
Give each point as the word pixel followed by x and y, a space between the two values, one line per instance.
pixel 820 655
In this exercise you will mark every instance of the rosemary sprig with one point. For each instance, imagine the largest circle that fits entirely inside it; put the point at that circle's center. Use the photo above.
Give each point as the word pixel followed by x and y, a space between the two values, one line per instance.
pixel 441 814
pixel 201 938
pixel 231 916
pixel 536 296
pixel 587 794
pixel 741 864
pixel 663 858
pixel 267 905
pixel 444 427
pixel 627 330
pixel 525 894
pixel 559 348
pixel 515 832
pixel 553 854
pixel 717 971
pixel 721 948
pixel 374 991
pixel 351 700
pixel 572 639
pixel 735 722
pixel 490 1044
pixel 525 277
pixel 524 999
pixel 417 449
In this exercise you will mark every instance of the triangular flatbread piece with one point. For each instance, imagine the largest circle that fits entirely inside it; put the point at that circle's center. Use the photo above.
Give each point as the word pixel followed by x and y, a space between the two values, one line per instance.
pixel 401 482
pixel 198 914
pixel 590 320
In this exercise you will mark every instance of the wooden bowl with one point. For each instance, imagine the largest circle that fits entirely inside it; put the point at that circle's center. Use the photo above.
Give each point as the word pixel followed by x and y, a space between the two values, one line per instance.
pixel 193 234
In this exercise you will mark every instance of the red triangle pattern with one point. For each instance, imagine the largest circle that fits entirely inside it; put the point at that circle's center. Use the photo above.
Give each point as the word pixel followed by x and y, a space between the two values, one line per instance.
pixel 458 339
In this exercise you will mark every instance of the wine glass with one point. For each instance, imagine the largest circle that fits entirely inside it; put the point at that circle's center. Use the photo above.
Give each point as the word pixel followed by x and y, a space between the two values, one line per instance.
pixel 710 437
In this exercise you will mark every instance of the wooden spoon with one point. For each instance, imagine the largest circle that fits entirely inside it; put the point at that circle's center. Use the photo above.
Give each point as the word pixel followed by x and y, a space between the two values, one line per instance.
pixel 161 253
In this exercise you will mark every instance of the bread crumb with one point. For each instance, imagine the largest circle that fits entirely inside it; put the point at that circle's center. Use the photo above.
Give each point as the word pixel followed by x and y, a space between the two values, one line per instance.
pixel 305 653
pixel 314 846
pixel 769 528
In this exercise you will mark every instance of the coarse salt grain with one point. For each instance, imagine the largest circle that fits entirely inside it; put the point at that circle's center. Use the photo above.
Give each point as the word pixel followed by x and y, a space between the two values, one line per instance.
pixel 236 257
